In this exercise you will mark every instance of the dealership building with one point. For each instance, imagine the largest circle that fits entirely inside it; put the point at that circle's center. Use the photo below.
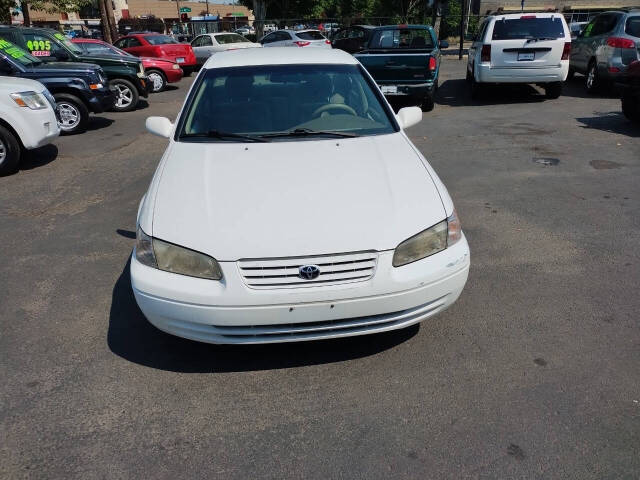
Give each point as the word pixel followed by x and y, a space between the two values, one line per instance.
pixel 168 11
pixel 580 10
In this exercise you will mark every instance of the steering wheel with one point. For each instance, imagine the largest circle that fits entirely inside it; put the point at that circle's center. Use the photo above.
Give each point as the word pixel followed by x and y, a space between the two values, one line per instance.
pixel 334 106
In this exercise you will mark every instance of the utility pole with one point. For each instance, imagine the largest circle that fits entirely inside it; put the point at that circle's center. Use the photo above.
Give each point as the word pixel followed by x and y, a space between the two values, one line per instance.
pixel 207 7
pixel 104 20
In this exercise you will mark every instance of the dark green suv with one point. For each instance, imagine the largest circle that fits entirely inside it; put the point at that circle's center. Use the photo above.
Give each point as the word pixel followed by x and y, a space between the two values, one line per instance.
pixel 125 74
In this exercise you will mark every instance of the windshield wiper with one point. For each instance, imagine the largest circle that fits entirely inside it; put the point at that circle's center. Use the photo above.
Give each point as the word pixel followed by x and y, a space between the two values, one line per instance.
pixel 307 132
pixel 222 136
pixel 538 39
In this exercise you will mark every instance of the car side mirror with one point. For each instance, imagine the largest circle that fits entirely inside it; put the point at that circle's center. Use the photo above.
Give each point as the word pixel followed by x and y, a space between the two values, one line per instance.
pixel 160 126
pixel 409 116
pixel 444 44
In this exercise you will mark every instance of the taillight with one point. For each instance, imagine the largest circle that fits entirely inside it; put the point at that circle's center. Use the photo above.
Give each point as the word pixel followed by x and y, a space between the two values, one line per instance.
pixel 566 50
pixel 527 17
pixel 432 64
pixel 302 44
pixel 617 42
pixel 328 42
pixel 485 55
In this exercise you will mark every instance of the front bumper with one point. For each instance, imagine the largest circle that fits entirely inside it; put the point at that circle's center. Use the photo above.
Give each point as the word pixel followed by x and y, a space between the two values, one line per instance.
pixel 173 75
pixel 102 100
pixel 144 86
pixel 230 312
pixel 36 127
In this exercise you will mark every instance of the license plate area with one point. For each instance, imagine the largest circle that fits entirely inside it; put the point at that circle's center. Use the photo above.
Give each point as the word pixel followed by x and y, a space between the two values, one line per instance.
pixel 180 59
pixel 388 89
pixel 526 56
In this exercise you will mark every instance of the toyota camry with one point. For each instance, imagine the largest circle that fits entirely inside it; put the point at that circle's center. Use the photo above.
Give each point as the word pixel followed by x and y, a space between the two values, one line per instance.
pixel 290 205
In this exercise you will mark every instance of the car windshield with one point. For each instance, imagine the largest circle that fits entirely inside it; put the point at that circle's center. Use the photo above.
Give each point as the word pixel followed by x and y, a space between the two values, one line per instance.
pixel 68 44
pixel 230 38
pixel 633 26
pixel 276 100
pixel 159 39
pixel 17 54
pixel 528 26
pixel 310 35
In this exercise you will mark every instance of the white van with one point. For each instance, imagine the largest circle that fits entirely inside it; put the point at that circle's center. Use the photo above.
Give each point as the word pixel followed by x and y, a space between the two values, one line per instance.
pixel 521 48
pixel 27 119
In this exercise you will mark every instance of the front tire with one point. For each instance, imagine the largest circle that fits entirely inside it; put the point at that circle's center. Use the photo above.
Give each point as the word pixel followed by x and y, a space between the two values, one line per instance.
pixel 74 115
pixel 476 88
pixel 126 95
pixel 553 90
pixel 157 79
pixel 631 108
pixel 9 152
pixel 592 79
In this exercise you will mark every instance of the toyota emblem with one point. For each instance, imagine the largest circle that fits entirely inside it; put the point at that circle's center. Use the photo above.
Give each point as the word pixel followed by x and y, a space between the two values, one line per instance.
pixel 309 272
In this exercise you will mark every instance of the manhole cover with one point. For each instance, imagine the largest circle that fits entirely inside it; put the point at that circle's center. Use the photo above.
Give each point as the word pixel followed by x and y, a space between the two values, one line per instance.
pixel 604 164
pixel 546 161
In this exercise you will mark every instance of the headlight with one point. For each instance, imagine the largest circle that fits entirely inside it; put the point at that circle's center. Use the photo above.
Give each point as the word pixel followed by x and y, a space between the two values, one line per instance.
pixel 176 66
pixel 429 241
pixel 33 100
pixel 172 258
pixel 141 71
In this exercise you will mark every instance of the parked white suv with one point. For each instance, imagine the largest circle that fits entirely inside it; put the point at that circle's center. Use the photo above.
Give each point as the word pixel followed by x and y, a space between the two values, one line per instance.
pixel 521 48
pixel 27 119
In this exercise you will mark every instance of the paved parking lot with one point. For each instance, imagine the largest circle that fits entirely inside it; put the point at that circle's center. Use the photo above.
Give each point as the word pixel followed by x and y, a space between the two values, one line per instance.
pixel 533 373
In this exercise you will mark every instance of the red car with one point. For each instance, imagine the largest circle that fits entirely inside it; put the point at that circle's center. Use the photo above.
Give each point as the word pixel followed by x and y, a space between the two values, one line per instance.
pixel 159 46
pixel 159 71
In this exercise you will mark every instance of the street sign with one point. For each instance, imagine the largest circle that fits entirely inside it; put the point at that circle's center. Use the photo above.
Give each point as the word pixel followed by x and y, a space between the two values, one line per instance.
pixel 185 10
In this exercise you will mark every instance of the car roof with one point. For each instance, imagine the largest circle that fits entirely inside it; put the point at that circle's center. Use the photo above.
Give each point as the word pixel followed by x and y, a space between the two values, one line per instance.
pixel 291 30
pixel 279 56
pixel 401 26
pixel 512 16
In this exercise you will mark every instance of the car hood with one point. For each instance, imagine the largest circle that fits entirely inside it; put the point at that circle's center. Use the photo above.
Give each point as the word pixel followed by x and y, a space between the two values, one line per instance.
pixel 111 60
pixel 234 200
pixel 60 68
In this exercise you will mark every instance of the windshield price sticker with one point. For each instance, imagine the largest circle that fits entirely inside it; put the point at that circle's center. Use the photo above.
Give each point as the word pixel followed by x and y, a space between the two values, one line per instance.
pixel 10 49
pixel 39 48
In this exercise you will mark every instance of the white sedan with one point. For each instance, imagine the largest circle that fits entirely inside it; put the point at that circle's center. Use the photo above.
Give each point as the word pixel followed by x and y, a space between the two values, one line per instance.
pixel 207 44
pixel 291 205
pixel 296 38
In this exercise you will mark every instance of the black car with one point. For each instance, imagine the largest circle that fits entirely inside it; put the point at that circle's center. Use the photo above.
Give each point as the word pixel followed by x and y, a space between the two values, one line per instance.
pixel 629 87
pixel 78 88
pixel 352 39
pixel 125 74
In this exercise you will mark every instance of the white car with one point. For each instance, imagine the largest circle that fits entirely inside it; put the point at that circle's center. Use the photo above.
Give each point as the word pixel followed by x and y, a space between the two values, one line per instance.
pixel 521 48
pixel 291 205
pixel 27 120
pixel 297 38
pixel 207 44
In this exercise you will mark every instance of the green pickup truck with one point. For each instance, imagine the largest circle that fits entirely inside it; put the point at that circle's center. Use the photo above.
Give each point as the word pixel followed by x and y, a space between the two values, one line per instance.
pixel 126 75
pixel 404 60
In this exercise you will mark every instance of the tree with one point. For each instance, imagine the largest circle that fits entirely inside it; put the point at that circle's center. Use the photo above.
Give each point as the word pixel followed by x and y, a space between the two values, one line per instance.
pixel 5 11
pixel 57 6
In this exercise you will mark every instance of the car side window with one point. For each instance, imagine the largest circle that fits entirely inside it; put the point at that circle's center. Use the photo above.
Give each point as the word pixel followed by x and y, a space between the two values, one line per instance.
pixel 283 36
pixel 205 41
pixel 41 46
pixel 197 42
pixel 134 42
pixel 340 35
pixel 601 25
pixel 122 43
pixel 269 38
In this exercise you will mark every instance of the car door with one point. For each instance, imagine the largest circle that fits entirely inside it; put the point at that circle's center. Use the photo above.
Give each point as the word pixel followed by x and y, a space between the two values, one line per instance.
pixel 285 40
pixel 476 45
pixel 137 48
pixel 269 40
pixel 577 58
pixel 593 37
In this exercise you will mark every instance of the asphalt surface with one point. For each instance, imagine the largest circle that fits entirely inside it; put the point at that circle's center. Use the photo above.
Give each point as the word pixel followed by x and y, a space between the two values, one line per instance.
pixel 533 373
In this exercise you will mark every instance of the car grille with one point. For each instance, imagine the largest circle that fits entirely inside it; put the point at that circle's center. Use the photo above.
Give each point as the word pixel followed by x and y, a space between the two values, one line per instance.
pixel 285 272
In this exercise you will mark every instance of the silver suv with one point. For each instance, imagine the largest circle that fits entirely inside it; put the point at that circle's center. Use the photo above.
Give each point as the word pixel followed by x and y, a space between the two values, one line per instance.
pixel 605 47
